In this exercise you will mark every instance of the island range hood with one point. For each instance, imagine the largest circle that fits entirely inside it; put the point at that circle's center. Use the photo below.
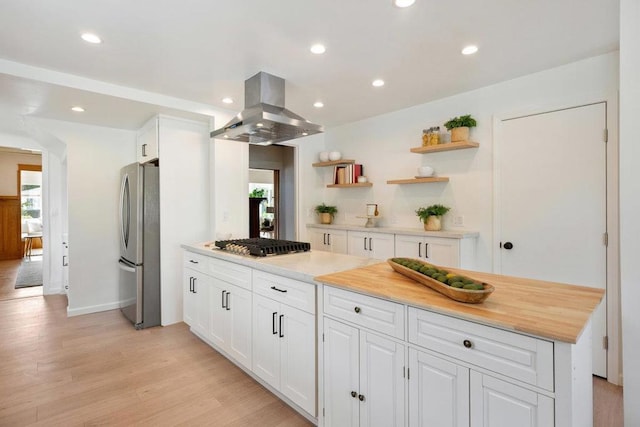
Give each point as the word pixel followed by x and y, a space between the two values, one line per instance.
pixel 264 120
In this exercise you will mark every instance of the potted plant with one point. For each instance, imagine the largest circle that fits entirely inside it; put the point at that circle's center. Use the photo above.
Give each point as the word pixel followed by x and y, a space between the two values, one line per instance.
pixel 459 127
pixel 326 213
pixel 431 216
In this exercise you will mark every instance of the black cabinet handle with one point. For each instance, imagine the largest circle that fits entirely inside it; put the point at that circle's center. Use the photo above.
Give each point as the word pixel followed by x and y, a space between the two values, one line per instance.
pixel 281 335
pixel 223 292
pixel 228 304
pixel 370 244
pixel 361 397
pixel 144 150
pixel 426 250
pixel 354 394
pixel 190 284
pixel 419 249
pixel 365 243
pixel 356 309
pixel 64 261
pixel 508 245
pixel 328 239
pixel 273 323
pixel 194 286
pixel 467 343
pixel 279 290
pixel 324 238
pixel 193 262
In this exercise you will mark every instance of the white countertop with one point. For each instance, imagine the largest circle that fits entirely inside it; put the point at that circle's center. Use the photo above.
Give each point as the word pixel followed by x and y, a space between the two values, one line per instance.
pixel 450 234
pixel 303 266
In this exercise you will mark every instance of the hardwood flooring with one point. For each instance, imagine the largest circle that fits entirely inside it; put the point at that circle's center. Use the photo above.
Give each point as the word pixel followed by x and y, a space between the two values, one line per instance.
pixel 8 273
pixel 97 369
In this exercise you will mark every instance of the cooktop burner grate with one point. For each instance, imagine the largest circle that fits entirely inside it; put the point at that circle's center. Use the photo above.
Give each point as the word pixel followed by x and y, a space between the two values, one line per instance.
pixel 262 246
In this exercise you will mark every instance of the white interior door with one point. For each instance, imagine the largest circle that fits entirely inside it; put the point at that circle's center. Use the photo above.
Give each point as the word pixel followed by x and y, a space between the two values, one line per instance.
pixel 551 206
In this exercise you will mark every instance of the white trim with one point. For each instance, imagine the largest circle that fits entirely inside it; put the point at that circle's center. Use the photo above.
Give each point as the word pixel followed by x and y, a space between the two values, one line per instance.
pixel 92 309
pixel 614 366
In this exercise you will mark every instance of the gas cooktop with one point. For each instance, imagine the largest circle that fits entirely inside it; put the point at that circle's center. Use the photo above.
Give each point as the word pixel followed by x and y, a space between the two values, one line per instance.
pixel 262 246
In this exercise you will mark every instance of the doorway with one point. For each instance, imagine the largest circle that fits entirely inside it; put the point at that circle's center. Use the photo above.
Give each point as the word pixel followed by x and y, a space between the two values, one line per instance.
pixel 264 185
pixel 551 203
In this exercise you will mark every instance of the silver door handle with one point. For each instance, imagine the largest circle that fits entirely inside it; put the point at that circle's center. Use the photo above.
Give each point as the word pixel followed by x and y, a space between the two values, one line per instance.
pixel 144 150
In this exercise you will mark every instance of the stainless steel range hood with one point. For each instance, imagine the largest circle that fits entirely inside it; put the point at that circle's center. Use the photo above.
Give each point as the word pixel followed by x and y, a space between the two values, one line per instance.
pixel 264 120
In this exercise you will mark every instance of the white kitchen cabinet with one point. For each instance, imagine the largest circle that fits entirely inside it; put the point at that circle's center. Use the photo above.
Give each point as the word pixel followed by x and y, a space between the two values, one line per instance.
pixel 323 239
pixel 364 377
pixel 196 289
pixel 371 245
pixel 496 403
pixel 438 391
pixel 441 251
pixel 147 147
pixel 284 337
pixel 231 320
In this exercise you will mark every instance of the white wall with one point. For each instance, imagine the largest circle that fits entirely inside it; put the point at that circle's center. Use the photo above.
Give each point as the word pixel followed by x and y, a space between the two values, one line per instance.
pixel 184 203
pixel 382 145
pixel 630 205
pixel 230 189
pixel 9 166
pixel 95 156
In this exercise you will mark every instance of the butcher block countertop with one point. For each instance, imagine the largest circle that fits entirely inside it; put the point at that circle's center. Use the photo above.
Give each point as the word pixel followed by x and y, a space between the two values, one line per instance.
pixel 548 310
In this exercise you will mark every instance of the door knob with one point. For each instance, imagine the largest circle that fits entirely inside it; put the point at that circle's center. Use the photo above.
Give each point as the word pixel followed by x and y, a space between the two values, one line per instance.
pixel 361 397
pixel 508 245
pixel 354 394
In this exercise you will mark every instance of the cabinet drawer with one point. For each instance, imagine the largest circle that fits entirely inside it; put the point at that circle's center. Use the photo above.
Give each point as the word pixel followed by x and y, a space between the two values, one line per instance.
pixel 195 261
pixel 518 356
pixel 230 272
pixel 373 313
pixel 296 294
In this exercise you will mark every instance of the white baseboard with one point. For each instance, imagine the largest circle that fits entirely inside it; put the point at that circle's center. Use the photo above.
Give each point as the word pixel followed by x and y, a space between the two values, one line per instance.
pixel 92 309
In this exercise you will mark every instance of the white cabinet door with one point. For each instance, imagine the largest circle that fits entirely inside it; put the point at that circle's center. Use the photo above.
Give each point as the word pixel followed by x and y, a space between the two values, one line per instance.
pixel 147 141
pixel 217 327
pixel 201 289
pixel 441 251
pixel 358 243
pixel 318 239
pixel 495 403
pixel 266 343
pixel 382 390
pixel 341 382
pixel 438 392
pixel 189 299
pixel 337 240
pixel 238 306
pixel 297 338
pixel 409 246
pixel 323 239
pixel 381 245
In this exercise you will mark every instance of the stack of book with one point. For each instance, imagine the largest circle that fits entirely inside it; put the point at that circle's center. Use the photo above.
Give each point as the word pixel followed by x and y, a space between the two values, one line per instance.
pixel 347 174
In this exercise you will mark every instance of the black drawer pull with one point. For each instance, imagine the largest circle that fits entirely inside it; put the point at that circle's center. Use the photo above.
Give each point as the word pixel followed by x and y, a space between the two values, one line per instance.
pixel 281 335
pixel 273 323
pixel 357 309
pixel 279 290
pixel 193 262
pixel 361 397
pixel 354 394
pixel 467 343
pixel 223 292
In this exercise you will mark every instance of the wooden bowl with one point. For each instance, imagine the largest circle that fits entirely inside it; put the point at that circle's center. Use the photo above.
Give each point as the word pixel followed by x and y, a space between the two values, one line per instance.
pixel 457 294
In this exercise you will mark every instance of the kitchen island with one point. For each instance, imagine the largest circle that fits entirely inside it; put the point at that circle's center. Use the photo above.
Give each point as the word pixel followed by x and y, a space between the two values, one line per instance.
pixel 391 351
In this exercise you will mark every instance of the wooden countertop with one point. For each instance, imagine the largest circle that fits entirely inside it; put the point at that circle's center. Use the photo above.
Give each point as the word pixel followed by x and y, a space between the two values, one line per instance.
pixel 548 310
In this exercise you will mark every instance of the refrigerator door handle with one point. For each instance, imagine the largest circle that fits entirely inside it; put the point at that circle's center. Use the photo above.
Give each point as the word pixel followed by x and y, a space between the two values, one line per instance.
pixel 126 267
pixel 125 211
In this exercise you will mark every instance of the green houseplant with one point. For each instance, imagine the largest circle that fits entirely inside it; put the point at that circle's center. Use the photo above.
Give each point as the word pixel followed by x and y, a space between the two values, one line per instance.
pixel 257 193
pixel 459 127
pixel 326 213
pixel 431 216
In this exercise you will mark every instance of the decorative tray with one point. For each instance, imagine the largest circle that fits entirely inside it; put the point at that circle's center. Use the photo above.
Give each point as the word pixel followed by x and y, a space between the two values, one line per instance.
pixel 459 294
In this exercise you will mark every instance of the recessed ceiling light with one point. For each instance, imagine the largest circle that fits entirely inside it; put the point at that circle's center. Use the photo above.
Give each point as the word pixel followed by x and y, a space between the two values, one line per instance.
pixel 318 104
pixel 403 3
pixel 318 49
pixel 469 50
pixel 77 109
pixel 378 83
pixel 91 38
pixel 227 100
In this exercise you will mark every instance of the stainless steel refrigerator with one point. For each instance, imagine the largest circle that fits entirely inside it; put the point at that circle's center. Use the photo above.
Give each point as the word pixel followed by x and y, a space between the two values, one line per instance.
pixel 140 244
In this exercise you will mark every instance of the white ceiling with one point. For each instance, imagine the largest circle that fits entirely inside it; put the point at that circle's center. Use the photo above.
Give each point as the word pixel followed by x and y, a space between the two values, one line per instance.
pixel 203 50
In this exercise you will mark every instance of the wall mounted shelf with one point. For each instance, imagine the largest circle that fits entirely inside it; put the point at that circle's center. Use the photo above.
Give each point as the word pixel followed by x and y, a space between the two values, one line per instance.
pixel 419 180
pixel 333 163
pixel 357 184
pixel 460 145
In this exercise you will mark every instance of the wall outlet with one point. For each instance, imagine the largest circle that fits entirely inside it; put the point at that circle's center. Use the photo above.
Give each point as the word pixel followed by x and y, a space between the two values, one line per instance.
pixel 458 221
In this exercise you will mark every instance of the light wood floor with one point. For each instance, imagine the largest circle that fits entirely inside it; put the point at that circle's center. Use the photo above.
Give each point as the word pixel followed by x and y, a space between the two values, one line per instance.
pixel 8 274
pixel 98 370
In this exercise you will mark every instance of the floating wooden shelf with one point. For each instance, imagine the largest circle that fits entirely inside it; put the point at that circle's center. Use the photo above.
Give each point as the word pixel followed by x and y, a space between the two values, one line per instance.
pixel 357 184
pixel 419 180
pixel 445 147
pixel 333 163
